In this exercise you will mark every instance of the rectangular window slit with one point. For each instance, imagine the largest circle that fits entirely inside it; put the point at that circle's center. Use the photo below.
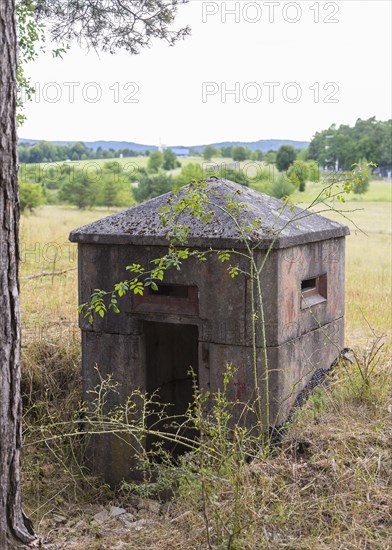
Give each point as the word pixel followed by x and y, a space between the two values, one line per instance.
pixel 309 283
pixel 174 291
pixel 313 291
pixel 169 298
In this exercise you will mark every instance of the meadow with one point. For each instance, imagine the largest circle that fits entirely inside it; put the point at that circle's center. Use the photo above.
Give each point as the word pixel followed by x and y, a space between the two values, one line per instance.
pixel 53 299
pixel 330 486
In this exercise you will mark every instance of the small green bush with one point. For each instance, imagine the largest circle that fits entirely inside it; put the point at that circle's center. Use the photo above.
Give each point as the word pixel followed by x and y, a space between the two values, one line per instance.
pixel 152 186
pixel 281 186
pixel 298 173
pixel 30 196
pixel 361 181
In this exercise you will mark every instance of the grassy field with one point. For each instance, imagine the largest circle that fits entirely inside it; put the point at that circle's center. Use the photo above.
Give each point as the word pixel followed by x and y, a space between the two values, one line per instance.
pixel 329 487
pixel 379 191
pixel 45 248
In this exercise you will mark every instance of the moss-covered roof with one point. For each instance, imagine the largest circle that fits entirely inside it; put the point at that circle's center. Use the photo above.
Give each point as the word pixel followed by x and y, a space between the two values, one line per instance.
pixel 141 224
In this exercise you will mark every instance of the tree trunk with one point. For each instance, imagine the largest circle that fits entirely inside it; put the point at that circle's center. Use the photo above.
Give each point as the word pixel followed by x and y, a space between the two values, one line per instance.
pixel 13 529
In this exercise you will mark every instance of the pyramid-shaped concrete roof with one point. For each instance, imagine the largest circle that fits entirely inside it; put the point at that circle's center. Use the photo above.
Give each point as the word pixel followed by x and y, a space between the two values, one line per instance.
pixel 141 224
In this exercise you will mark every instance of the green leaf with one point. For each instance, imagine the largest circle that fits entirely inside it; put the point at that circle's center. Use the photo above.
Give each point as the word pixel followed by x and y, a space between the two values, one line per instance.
pixel 158 274
pixel 135 268
pixel 139 289
pixel 121 288
pixel 224 256
pixel 234 271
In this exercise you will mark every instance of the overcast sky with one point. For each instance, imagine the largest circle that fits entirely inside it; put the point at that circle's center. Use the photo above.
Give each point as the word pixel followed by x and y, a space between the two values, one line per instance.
pixel 331 71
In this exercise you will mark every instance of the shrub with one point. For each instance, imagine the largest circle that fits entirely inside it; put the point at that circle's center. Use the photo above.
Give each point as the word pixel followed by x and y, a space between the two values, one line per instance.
pixel 361 181
pixel 231 174
pixel 285 157
pixel 313 171
pixel 152 186
pixel 281 186
pixel 298 173
pixel 190 172
pixel 155 161
pixel 30 196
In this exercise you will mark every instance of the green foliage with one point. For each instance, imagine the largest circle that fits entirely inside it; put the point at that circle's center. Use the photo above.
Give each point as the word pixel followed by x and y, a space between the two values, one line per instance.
pixel 232 174
pixel 31 41
pixel 44 151
pixel 298 174
pixel 209 152
pixel 303 154
pixel 31 38
pixel 257 155
pixel 223 451
pixel 93 185
pixel 368 139
pixel 80 190
pixel 318 401
pixel 30 196
pixel 102 301
pixel 216 484
pixel 170 161
pixel 281 186
pixel 112 25
pixel 190 172
pixel 270 157
pixel 361 175
pixel 313 171
pixel 155 161
pixel 152 185
pixel 240 153
pixel 227 151
pixel 112 195
pixel 285 157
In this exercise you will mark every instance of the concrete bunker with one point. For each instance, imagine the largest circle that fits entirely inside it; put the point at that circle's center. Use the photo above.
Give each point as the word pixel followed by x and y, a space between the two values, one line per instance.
pixel 200 318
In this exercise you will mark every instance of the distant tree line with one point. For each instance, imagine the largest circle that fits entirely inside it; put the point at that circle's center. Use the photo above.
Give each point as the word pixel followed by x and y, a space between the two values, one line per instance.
pixel 44 151
pixel 92 185
pixel 238 153
pixel 166 160
pixel 340 147
pixel 278 173
pixel 114 184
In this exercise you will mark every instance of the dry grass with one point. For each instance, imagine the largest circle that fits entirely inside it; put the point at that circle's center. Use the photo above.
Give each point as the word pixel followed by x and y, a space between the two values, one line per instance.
pixel 49 304
pixel 330 487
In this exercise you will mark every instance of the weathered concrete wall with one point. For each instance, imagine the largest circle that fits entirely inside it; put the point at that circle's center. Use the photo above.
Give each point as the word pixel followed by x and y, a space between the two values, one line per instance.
pixel 110 456
pixel 290 366
pixel 303 262
pixel 221 299
pixel 299 340
pixel 224 303
pixel 281 288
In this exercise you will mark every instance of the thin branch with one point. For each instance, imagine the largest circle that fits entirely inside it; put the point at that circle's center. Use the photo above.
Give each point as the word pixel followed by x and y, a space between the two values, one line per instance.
pixel 48 274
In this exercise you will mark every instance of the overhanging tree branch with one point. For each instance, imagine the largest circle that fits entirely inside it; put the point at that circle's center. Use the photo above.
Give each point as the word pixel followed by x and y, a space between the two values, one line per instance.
pixel 110 25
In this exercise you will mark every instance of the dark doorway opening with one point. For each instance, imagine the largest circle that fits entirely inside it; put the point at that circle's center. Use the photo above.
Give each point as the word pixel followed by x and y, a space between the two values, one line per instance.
pixel 171 351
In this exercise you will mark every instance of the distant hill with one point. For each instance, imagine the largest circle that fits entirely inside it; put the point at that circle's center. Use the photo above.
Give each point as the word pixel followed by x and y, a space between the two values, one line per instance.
pixel 105 145
pixel 263 144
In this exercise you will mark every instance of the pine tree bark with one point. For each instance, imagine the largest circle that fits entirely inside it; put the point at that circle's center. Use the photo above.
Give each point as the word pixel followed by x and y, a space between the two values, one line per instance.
pixel 13 529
